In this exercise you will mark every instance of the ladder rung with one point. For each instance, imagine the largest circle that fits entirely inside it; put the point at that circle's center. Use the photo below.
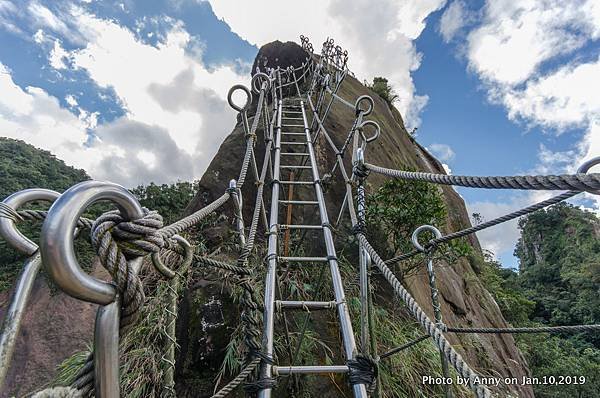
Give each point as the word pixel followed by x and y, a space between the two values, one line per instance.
pixel 303 259
pixel 299 202
pixel 288 370
pixel 288 133
pixel 290 166
pixel 296 182
pixel 294 154
pixel 292 118
pixel 293 125
pixel 299 226
pixel 304 305
pixel 293 143
pixel 292 111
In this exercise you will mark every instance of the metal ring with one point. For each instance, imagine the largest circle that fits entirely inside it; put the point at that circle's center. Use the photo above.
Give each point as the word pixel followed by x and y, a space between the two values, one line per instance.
pixel 8 229
pixel 370 104
pixel 583 169
pixel 248 97
pixel 369 123
pixel 415 236
pixel 187 260
pixel 56 243
pixel 588 164
pixel 256 79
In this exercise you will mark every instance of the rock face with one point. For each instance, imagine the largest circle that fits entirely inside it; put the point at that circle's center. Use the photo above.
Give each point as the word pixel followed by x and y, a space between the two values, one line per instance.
pixel 54 327
pixel 465 301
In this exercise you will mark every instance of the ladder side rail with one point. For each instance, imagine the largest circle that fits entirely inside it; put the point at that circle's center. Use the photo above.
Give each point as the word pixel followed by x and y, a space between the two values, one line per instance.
pixel 340 297
pixel 270 280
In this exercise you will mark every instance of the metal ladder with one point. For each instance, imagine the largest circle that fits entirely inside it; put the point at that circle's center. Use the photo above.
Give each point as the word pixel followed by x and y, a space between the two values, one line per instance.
pixel 292 131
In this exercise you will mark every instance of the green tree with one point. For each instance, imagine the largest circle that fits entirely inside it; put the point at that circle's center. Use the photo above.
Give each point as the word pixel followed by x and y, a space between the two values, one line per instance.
pixel 384 89
pixel 170 200
pixel 503 284
pixel 557 284
pixel 559 253
pixel 397 208
pixel 24 166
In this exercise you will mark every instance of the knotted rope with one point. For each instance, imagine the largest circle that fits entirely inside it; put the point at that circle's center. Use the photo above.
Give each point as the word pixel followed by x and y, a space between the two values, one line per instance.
pixel 116 241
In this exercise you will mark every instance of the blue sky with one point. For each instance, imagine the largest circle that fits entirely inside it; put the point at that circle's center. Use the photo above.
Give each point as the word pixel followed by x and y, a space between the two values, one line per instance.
pixel 135 91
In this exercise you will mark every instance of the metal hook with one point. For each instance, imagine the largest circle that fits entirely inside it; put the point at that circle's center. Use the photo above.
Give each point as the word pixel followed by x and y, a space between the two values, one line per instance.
pixel 435 302
pixel 369 123
pixel 588 164
pixel 56 245
pixel 248 97
pixel 415 236
pixel 256 79
pixel 166 271
pixel 24 283
pixel 370 103
pixel 9 231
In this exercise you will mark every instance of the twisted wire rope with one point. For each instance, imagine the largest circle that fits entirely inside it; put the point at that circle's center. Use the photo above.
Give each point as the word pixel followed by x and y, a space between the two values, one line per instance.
pixel 574 182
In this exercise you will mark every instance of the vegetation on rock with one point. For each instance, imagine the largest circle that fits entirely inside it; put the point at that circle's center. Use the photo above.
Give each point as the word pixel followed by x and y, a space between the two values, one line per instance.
pixel 399 207
pixel 384 89
pixel 24 166
pixel 557 284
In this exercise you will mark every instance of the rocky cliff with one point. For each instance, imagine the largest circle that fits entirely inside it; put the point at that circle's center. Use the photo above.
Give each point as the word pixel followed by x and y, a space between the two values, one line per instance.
pixel 465 301
pixel 56 326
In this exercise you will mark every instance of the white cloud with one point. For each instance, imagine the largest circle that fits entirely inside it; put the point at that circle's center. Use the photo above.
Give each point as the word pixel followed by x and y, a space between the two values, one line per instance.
pixel 515 38
pixel 57 56
pixel 7 11
pixel 378 36
pixel 502 238
pixel 45 18
pixel 114 58
pixel 69 99
pixel 564 98
pixel 33 116
pixel 527 55
pixel 442 151
pixel 176 113
pixel 454 18
pixel 147 153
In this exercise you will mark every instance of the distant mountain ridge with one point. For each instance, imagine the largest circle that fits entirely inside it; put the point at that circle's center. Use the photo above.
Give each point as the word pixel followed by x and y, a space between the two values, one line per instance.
pixel 24 166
